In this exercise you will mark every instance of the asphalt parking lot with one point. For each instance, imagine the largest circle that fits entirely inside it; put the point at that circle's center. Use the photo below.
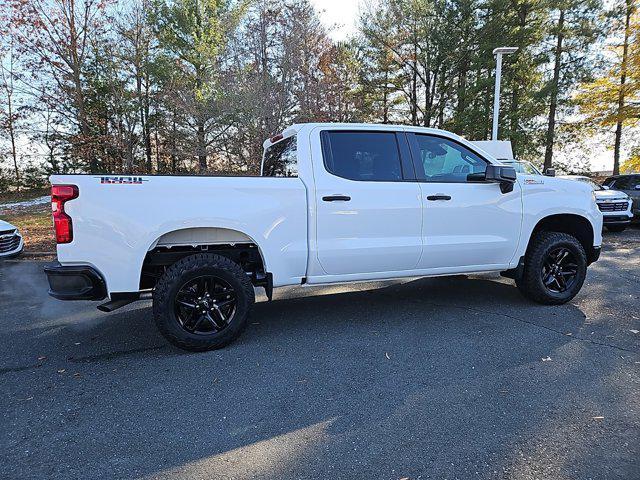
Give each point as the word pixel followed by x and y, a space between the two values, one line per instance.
pixel 437 378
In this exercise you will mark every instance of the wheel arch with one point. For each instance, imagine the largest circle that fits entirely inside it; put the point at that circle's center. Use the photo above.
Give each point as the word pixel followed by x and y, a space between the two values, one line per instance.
pixel 573 224
pixel 172 245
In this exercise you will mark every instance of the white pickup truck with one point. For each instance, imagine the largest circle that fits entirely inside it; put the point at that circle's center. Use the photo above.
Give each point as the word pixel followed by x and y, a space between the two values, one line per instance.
pixel 334 203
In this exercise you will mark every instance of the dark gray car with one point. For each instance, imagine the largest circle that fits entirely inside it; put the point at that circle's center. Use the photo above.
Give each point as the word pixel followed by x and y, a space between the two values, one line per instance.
pixel 629 184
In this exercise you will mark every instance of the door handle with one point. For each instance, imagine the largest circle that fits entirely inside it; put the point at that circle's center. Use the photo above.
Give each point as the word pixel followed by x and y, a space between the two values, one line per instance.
pixel 336 198
pixel 439 196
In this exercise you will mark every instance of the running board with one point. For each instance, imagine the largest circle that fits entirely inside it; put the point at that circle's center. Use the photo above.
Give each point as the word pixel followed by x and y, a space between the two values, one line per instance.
pixel 119 300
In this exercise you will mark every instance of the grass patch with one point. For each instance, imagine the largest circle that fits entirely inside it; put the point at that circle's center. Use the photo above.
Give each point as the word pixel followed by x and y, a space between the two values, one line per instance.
pixel 35 226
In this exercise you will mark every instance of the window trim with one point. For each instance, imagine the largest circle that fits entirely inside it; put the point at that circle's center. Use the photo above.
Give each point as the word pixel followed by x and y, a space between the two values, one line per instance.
pixel 419 169
pixel 407 168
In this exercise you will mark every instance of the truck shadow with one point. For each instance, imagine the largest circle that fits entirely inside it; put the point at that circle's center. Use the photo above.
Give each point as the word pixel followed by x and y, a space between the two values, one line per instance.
pixel 377 311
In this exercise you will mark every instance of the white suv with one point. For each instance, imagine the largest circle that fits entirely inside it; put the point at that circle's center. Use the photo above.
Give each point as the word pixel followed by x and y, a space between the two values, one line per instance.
pixel 11 243
pixel 614 205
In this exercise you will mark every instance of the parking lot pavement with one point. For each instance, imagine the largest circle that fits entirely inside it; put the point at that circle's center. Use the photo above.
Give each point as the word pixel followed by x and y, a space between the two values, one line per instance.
pixel 435 378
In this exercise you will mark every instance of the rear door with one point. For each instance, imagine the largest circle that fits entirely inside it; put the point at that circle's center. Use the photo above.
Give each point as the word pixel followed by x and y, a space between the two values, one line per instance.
pixel 467 222
pixel 369 211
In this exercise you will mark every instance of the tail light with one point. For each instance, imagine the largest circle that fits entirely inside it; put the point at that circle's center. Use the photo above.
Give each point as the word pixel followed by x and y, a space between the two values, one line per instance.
pixel 61 221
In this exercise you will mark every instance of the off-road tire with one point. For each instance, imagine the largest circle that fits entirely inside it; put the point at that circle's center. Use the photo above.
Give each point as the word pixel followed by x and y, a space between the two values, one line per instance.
pixel 531 284
pixel 192 267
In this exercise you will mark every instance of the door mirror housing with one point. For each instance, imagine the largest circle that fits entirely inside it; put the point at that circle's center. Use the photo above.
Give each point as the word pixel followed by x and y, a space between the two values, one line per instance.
pixel 550 172
pixel 505 176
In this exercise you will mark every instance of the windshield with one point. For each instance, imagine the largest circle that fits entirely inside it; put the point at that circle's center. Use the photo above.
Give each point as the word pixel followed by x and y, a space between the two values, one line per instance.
pixel 522 166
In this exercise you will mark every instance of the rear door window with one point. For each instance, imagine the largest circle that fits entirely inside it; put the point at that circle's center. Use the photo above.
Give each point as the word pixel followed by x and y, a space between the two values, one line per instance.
pixel 281 159
pixel 361 155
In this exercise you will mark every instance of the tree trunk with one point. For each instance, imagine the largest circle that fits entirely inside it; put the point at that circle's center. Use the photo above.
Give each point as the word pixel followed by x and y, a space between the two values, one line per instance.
pixel 86 154
pixel 385 101
pixel 202 147
pixel 621 93
pixel 553 104
pixel 11 128
pixel 414 89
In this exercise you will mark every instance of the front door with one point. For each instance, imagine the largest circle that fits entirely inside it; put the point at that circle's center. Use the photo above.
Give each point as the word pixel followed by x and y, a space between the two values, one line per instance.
pixel 467 223
pixel 369 213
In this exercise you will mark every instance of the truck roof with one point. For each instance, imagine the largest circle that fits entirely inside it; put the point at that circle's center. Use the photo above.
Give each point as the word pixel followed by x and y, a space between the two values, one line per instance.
pixel 296 127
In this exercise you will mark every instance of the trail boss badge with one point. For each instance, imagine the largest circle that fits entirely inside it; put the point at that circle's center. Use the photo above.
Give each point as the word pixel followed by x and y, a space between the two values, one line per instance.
pixel 122 180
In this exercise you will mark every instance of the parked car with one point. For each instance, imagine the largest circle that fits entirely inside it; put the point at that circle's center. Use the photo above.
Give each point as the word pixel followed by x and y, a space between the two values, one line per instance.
pixel 11 243
pixel 335 203
pixel 502 150
pixel 629 184
pixel 614 205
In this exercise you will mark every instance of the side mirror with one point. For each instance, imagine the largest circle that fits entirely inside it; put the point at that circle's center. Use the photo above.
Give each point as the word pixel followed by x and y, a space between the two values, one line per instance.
pixel 505 176
pixel 550 172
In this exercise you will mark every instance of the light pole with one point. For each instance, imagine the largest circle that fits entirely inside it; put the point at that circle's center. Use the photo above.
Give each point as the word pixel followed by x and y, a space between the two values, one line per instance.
pixel 498 52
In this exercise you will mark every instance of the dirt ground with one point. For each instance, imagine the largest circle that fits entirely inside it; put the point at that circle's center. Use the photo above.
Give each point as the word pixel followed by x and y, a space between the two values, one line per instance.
pixel 34 221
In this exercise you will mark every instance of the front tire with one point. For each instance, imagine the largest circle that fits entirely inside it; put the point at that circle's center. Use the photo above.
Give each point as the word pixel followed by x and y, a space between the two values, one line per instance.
pixel 555 268
pixel 202 302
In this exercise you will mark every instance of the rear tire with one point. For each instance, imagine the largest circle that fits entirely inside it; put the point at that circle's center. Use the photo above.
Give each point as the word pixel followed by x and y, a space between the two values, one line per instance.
pixel 555 268
pixel 616 228
pixel 202 302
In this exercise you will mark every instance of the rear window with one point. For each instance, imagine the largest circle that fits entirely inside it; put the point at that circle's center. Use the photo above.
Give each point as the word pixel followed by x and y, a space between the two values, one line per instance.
pixel 625 183
pixel 281 159
pixel 363 156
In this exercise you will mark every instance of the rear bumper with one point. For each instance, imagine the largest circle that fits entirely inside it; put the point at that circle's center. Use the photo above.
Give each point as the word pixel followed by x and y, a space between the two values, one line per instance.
pixel 75 282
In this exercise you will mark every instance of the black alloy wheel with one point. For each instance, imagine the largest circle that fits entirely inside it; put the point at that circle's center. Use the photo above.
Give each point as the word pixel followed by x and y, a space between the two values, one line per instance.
pixel 555 268
pixel 205 305
pixel 559 270
pixel 202 302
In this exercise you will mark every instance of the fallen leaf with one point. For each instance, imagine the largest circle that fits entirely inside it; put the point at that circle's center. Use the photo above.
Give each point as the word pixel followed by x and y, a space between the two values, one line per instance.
pixel 76 375
pixel 42 357
pixel 387 355
pixel 598 418
pixel 546 359
pixel 77 343
pixel 634 331
pixel 62 370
